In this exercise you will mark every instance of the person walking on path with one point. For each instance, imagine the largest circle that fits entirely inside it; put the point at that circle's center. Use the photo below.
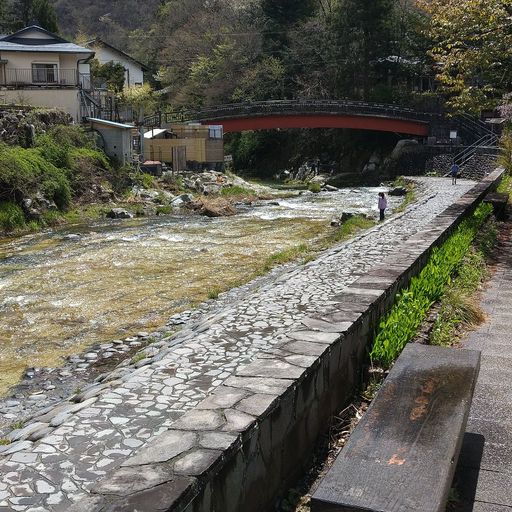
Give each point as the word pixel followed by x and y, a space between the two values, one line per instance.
pixel 383 204
pixel 454 172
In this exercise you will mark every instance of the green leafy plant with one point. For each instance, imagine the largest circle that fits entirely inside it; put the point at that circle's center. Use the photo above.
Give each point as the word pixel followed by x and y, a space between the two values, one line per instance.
pixel 163 210
pixel 138 357
pixel 412 304
pixel 213 293
pixel 236 190
pixel 11 216
pixel 17 425
pixel 458 306
pixel 314 187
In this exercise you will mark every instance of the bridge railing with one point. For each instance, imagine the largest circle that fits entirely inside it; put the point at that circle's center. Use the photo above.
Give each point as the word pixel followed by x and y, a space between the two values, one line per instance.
pixel 288 107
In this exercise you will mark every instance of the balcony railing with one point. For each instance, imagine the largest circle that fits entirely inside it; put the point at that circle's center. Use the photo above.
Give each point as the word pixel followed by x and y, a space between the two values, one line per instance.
pixel 44 77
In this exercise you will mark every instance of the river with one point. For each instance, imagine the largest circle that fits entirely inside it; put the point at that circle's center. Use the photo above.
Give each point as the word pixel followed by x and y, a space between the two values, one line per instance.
pixel 60 294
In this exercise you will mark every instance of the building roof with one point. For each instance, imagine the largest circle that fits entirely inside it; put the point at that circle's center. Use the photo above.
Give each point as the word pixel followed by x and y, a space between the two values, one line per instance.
pixel 100 42
pixel 110 123
pixel 154 133
pixel 48 43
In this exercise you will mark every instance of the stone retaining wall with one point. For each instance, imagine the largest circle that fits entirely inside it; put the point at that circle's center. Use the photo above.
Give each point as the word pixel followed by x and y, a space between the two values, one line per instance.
pixel 417 160
pixel 249 440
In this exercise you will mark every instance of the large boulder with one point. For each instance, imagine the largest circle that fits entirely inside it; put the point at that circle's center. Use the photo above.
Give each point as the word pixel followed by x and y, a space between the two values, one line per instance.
pixel 217 210
pixel 119 213
pixel 181 200
pixel 398 191
pixel 401 146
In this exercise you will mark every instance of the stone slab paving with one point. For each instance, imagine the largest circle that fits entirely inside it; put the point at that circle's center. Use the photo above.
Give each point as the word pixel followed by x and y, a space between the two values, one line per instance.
pixel 56 459
pixel 485 464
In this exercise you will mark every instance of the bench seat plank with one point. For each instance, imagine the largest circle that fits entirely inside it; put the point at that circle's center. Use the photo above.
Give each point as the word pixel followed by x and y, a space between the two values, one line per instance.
pixel 402 455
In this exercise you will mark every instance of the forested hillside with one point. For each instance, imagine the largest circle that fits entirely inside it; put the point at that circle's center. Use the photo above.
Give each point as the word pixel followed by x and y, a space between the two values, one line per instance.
pixel 416 52
pixel 231 50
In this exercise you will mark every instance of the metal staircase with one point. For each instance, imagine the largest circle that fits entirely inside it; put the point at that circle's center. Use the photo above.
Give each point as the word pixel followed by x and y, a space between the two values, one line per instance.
pixel 489 140
pixel 482 136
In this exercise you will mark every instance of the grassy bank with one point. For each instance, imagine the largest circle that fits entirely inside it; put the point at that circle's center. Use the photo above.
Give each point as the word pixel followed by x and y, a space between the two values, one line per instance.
pixel 38 184
pixel 302 253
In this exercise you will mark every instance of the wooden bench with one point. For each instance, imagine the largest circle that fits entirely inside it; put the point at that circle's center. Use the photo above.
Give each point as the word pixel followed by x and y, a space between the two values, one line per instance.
pixel 499 202
pixel 402 455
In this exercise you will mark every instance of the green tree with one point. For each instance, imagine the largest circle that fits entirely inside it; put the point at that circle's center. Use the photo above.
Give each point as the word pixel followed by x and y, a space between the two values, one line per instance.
pixel 3 16
pixel 111 73
pixel 263 81
pixel 363 35
pixel 280 17
pixel 31 12
pixel 44 14
pixel 472 50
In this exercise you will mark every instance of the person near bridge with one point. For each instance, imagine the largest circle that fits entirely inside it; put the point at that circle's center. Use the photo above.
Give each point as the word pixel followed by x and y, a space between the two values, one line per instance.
pixel 454 172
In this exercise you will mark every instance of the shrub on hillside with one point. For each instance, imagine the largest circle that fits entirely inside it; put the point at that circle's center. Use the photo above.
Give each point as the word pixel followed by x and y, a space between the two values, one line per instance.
pixel 85 167
pixel 11 216
pixel 57 144
pixel 25 172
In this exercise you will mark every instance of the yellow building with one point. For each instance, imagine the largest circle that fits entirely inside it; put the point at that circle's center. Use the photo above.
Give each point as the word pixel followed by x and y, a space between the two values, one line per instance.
pixel 186 146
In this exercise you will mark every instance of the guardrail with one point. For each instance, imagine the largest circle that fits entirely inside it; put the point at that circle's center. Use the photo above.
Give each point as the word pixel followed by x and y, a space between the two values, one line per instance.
pixel 41 77
pixel 287 107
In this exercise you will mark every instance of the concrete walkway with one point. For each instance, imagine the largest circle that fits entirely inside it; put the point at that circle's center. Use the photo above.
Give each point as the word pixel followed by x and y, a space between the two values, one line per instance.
pixel 484 474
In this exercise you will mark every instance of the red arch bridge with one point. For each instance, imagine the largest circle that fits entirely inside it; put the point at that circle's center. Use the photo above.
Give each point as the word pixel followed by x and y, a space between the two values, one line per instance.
pixel 266 115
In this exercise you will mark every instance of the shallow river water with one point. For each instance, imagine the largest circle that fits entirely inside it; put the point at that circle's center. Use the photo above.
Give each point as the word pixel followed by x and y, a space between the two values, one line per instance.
pixel 60 294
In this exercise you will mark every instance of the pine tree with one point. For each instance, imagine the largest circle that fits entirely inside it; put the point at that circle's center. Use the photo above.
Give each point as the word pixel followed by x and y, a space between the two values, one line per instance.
pixel 281 16
pixel 364 34
pixel 44 14
pixel 31 12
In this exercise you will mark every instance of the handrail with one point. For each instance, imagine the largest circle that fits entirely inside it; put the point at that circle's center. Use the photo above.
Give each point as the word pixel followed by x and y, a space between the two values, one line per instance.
pixel 40 77
pixel 476 125
pixel 277 107
pixel 489 140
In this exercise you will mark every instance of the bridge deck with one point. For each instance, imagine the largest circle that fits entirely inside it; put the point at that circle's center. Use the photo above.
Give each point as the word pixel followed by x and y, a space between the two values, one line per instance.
pixel 119 417
pixel 265 115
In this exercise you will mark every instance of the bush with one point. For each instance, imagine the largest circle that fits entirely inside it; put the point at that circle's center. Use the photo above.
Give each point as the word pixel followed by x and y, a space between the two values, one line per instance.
pixel 85 165
pixel 314 187
pixel 119 178
pixel 236 190
pixel 56 146
pixel 144 180
pixel 163 210
pixel 24 172
pixel 11 216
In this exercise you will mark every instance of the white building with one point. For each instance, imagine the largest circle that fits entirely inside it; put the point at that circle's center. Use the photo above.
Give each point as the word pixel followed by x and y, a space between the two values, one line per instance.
pixel 134 70
pixel 42 69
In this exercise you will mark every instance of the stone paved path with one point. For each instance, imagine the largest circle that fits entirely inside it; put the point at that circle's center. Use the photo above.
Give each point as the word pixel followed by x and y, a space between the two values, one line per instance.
pixel 56 459
pixel 485 464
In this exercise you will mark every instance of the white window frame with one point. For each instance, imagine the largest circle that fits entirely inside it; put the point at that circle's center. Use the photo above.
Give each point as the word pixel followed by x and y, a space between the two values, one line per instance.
pixel 54 68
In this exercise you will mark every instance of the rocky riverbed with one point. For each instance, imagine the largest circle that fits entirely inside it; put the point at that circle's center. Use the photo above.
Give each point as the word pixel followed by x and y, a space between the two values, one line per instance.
pixel 107 289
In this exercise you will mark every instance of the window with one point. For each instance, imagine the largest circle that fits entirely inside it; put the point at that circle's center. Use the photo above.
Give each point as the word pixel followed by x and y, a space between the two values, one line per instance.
pixel 215 131
pixel 44 73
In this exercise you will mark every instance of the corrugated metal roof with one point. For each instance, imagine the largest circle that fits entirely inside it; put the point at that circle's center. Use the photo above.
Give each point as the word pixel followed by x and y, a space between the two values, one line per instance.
pixel 110 123
pixel 154 133
pixel 46 48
